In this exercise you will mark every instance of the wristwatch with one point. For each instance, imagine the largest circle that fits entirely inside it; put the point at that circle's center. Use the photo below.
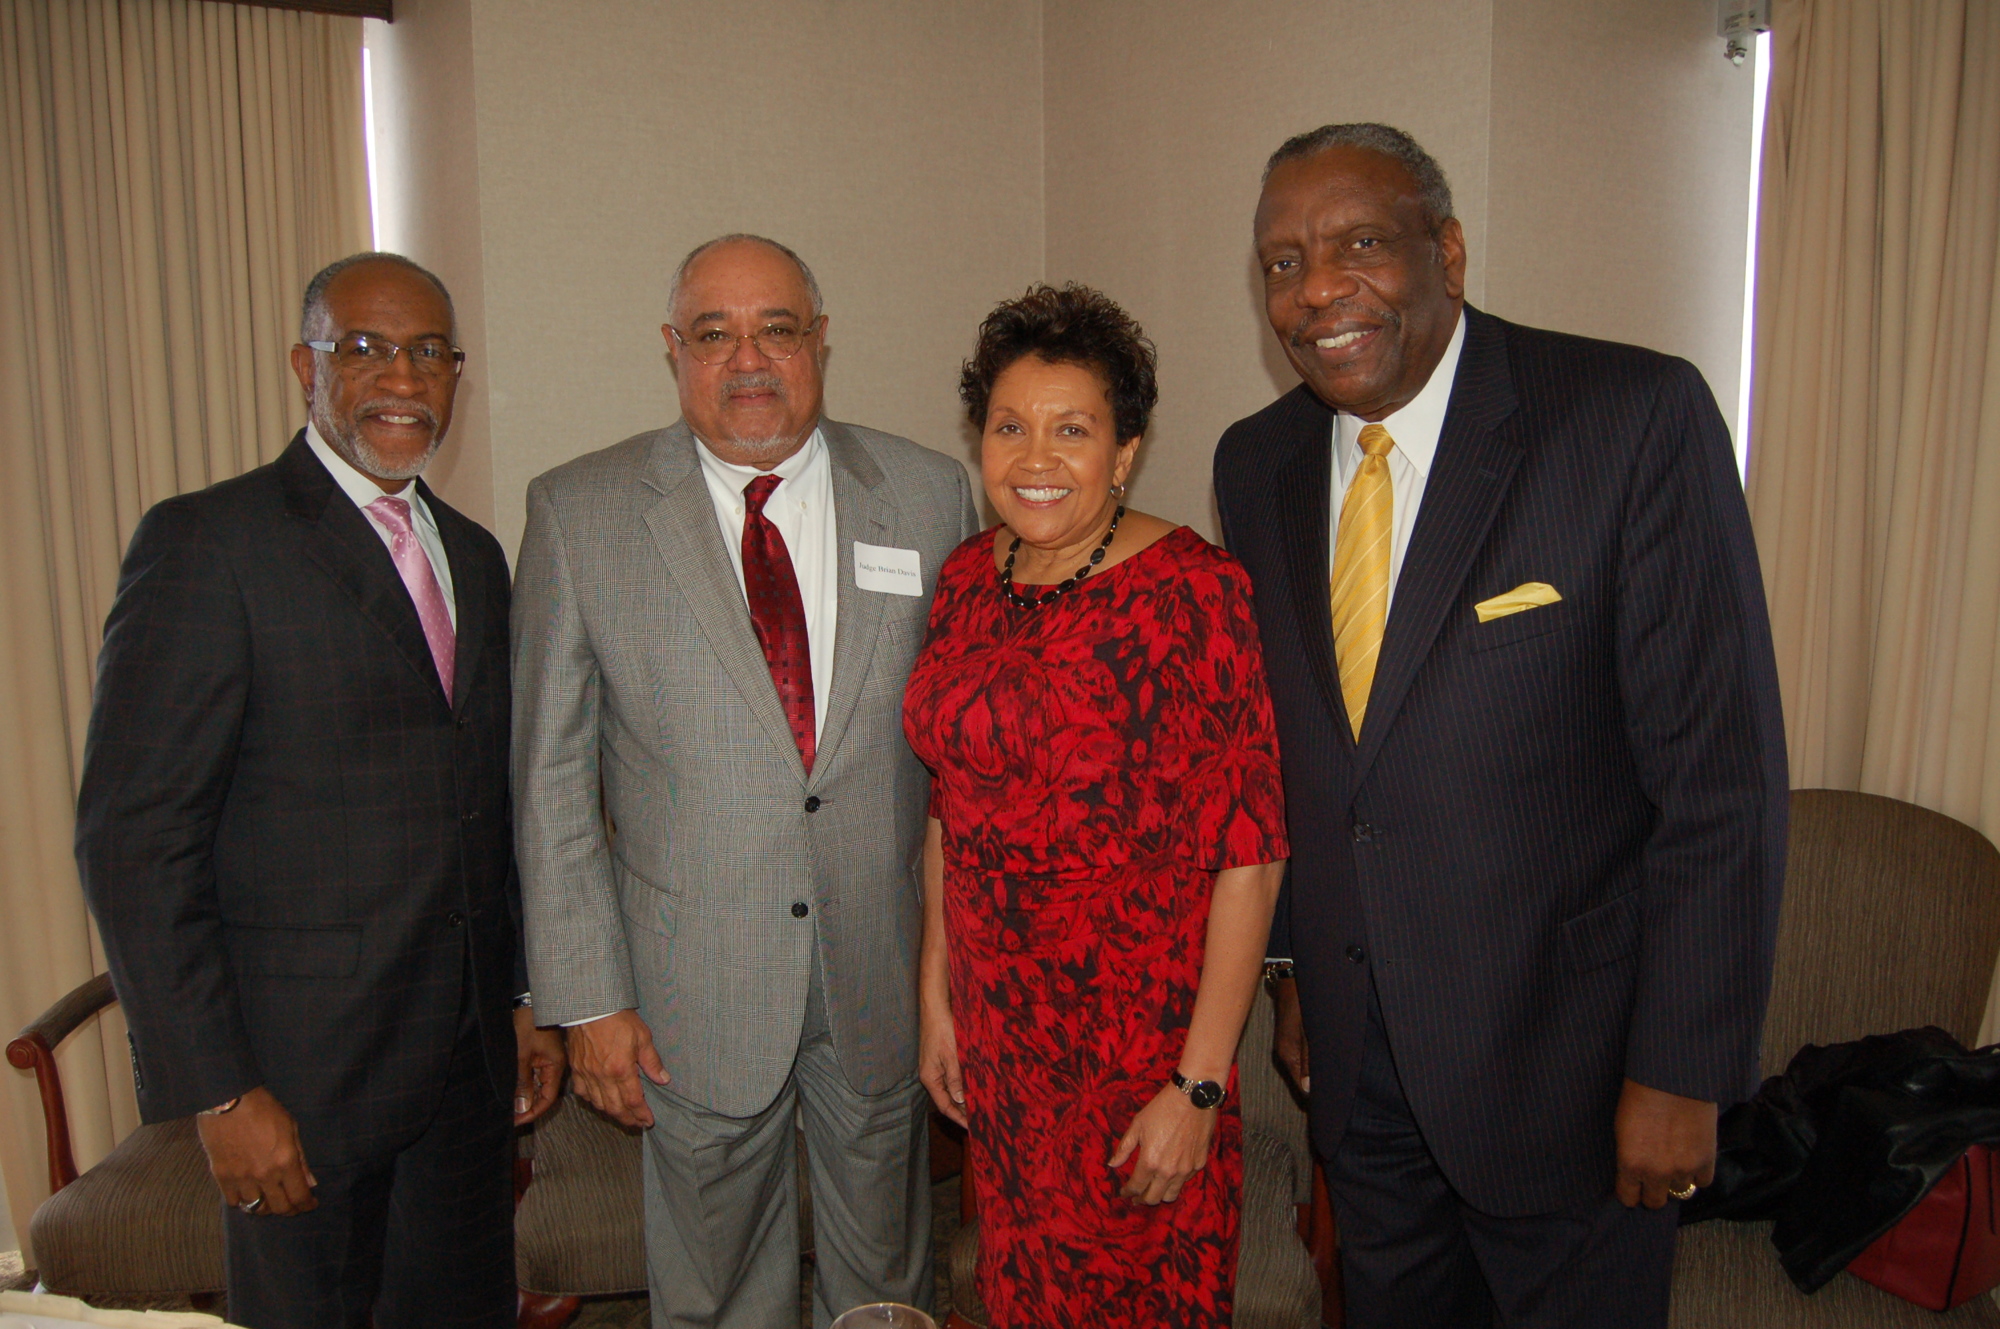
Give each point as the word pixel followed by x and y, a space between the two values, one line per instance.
pixel 1204 1094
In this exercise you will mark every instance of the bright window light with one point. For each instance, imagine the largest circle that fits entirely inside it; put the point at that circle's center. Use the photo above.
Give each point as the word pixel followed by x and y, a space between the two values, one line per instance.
pixel 375 193
pixel 1761 74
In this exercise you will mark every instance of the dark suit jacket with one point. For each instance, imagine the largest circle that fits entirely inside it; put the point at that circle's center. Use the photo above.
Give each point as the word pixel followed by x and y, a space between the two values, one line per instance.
pixel 1557 849
pixel 292 845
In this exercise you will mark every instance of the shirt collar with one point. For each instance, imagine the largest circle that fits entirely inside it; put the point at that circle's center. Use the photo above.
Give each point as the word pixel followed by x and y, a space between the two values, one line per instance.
pixel 352 482
pixel 1418 425
pixel 734 477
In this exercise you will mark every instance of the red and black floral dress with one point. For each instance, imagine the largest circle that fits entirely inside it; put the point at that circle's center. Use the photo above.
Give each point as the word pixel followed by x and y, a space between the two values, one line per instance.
pixel 1096 762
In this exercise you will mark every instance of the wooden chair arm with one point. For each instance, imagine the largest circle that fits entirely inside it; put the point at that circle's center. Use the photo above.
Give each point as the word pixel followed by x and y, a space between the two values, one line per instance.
pixel 34 1049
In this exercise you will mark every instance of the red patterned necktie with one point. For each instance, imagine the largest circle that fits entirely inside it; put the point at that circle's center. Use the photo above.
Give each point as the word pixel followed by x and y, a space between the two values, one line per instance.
pixel 778 613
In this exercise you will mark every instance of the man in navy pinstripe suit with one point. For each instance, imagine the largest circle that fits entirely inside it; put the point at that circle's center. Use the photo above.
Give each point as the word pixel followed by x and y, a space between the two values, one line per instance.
pixel 1537 855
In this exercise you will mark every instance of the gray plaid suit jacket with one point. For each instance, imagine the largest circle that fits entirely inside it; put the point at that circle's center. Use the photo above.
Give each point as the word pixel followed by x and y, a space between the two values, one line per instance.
pixel 666 829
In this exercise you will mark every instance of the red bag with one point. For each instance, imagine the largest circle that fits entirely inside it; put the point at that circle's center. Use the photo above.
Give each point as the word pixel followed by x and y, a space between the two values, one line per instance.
pixel 1947 1249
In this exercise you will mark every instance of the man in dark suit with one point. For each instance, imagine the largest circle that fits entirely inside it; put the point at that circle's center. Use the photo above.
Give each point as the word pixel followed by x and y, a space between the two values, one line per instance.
pixel 295 835
pixel 1533 759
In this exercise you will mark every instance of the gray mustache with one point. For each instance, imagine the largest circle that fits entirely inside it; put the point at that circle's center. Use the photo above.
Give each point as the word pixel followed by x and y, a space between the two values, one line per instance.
pixel 396 406
pixel 1303 332
pixel 768 382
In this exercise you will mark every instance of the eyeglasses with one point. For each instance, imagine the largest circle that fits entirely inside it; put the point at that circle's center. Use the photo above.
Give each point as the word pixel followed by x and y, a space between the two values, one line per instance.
pixel 365 353
pixel 775 341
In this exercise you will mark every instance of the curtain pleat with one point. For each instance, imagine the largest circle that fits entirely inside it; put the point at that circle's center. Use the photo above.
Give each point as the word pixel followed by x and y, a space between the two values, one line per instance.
pixel 172 173
pixel 1875 444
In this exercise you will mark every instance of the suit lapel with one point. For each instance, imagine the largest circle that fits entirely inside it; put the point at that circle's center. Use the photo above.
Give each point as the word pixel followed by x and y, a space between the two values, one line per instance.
pixel 340 540
pixel 860 512
pixel 1305 495
pixel 468 593
pixel 689 543
pixel 1475 463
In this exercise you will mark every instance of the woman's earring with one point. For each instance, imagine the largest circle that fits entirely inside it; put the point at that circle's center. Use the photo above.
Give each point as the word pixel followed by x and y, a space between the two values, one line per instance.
pixel 1118 491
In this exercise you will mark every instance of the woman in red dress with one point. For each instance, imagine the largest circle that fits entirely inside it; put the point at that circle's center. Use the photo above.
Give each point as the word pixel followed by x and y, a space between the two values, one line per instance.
pixel 1105 847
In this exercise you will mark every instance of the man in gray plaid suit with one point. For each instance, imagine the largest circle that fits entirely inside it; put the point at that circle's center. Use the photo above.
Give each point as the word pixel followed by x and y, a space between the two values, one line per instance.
pixel 719 823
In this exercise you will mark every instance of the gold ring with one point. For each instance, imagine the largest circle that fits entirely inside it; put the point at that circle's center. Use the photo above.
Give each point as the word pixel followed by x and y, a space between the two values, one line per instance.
pixel 1685 1193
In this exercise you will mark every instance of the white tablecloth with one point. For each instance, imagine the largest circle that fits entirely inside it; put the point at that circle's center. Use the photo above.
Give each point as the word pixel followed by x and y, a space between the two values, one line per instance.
pixel 30 1310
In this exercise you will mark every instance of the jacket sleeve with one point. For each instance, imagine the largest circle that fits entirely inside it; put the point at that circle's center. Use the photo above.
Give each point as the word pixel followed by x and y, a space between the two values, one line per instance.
pixel 968 511
pixel 1698 682
pixel 521 985
pixel 1279 946
pixel 173 680
pixel 578 962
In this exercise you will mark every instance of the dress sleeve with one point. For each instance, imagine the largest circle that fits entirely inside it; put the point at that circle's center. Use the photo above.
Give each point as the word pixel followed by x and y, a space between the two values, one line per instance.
pixel 1233 802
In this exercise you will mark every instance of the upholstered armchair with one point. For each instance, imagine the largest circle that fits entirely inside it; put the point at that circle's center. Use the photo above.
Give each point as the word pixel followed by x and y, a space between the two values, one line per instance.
pixel 144 1224
pixel 1891 920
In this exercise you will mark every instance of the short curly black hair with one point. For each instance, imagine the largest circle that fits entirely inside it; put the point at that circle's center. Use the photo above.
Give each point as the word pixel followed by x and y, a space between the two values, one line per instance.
pixel 1068 325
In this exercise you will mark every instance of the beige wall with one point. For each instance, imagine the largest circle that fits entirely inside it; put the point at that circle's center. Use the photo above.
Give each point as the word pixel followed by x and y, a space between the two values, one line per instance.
pixel 896 144
pixel 1160 117
pixel 1619 174
pixel 427 206
pixel 1599 157
pixel 931 158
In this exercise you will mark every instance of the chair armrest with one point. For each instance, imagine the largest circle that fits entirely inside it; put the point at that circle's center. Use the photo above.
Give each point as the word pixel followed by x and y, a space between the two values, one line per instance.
pixel 34 1049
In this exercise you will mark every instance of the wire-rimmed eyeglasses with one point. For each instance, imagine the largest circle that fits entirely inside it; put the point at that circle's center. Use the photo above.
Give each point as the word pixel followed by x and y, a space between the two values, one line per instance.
pixel 366 353
pixel 775 341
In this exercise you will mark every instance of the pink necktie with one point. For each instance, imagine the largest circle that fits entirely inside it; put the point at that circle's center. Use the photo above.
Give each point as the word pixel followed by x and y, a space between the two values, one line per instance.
pixel 421 581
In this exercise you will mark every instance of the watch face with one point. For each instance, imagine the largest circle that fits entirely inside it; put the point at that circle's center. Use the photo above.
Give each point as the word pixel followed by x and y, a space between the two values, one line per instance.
pixel 1205 1094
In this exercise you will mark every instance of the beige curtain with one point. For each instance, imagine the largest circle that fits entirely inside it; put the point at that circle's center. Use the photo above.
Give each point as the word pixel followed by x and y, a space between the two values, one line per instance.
pixel 1875 442
pixel 172 172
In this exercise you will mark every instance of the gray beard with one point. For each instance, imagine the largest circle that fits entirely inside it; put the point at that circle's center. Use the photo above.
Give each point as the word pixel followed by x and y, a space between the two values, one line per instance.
pixel 777 447
pixel 354 447
pixel 770 447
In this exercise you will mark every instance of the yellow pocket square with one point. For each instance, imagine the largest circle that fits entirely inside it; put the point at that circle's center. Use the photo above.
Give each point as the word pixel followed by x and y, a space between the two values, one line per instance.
pixel 1527 595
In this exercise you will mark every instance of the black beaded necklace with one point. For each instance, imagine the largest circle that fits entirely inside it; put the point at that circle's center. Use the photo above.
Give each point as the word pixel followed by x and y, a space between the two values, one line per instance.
pixel 1041 601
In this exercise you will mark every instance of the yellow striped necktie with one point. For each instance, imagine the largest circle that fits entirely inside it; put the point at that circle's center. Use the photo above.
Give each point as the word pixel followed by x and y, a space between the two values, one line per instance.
pixel 1361 572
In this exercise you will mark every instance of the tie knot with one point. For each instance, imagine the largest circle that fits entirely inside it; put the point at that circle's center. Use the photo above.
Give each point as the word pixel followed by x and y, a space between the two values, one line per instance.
pixel 758 492
pixel 393 513
pixel 1375 441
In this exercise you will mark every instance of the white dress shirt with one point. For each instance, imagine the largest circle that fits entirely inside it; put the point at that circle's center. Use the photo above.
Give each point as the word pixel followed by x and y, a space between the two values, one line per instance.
pixel 365 491
pixel 801 507
pixel 1415 428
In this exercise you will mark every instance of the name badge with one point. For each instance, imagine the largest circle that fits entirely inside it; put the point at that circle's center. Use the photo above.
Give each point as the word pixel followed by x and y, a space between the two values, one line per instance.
pixel 897 571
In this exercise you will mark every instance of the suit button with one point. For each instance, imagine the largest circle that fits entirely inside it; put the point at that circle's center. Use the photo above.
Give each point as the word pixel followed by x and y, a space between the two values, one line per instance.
pixel 1363 832
pixel 468 817
pixel 455 918
pixel 800 909
pixel 812 803
pixel 463 722
pixel 1356 954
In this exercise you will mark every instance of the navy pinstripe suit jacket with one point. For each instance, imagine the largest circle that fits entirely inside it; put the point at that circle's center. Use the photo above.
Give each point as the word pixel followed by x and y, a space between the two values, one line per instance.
pixel 288 837
pixel 1557 848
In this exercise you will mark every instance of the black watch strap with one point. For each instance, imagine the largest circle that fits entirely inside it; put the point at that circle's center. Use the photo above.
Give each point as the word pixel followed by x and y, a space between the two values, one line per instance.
pixel 1204 1094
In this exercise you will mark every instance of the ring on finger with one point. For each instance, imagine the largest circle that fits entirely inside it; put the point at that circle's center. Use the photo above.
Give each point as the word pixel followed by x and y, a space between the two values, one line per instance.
pixel 1686 1192
pixel 252 1206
